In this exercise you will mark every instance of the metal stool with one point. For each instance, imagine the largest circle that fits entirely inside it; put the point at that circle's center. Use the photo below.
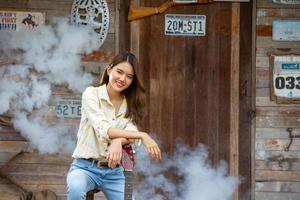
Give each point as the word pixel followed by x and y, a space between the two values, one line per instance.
pixel 128 188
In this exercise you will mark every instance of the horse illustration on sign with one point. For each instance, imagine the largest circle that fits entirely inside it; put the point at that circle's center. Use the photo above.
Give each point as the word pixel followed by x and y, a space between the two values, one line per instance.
pixel 28 21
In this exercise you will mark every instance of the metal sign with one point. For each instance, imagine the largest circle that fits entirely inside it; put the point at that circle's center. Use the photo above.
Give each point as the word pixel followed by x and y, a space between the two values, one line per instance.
pixel 286 76
pixel 17 21
pixel 286 30
pixel 68 108
pixel 94 13
pixel 287 1
pixel 185 25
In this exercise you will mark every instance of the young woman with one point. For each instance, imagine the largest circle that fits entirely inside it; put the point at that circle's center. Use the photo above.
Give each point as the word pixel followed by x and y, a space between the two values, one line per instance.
pixel 111 112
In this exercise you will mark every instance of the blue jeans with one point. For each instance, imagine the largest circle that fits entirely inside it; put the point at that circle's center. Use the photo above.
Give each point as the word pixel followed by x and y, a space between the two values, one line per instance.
pixel 84 176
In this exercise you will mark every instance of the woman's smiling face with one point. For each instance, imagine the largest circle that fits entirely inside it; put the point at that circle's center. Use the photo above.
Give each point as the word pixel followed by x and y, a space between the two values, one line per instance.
pixel 120 76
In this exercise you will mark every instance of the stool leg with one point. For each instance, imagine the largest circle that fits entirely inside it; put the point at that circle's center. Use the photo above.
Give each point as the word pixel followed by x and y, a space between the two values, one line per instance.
pixel 90 195
pixel 128 185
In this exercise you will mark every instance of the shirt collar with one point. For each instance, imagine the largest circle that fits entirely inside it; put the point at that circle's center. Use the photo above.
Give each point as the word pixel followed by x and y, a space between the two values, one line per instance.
pixel 103 95
pixel 123 107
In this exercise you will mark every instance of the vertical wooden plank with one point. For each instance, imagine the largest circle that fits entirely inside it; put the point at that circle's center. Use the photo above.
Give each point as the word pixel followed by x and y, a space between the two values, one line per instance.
pixel 165 70
pixel 117 26
pixel 246 97
pixel 234 94
pixel 253 103
pixel 223 36
pixel 214 76
pixel 135 33
pixel 134 45
pixel 123 31
pixel 201 89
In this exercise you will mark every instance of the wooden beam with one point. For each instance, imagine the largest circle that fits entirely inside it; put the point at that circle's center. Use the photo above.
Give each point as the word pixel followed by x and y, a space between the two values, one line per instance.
pixel 135 33
pixel 122 26
pixel 15 146
pixel 253 102
pixel 234 93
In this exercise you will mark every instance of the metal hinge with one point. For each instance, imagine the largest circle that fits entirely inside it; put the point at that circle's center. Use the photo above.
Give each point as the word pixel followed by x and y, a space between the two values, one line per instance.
pixel 251 114
pixel 243 90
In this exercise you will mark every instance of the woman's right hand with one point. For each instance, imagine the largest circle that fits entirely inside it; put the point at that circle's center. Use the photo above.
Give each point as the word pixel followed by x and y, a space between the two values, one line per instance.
pixel 151 146
pixel 114 153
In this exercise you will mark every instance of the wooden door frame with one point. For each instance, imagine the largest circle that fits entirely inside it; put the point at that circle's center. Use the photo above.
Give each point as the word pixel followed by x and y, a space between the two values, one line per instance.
pixel 235 88
pixel 253 100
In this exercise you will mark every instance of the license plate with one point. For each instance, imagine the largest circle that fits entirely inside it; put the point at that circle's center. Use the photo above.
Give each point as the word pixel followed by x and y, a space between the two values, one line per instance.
pixel 68 108
pixel 286 76
pixel 286 30
pixel 287 1
pixel 287 85
pixel 186 25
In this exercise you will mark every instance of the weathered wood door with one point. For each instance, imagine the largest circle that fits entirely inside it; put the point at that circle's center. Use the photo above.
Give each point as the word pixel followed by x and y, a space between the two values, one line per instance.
pixel 193 89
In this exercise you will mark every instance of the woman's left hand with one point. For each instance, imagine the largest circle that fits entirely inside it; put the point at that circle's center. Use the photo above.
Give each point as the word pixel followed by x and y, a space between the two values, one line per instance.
pixel 151 146
pixel 114 153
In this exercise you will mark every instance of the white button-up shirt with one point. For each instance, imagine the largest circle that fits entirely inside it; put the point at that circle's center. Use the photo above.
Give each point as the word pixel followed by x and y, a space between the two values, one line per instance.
pixel 97 116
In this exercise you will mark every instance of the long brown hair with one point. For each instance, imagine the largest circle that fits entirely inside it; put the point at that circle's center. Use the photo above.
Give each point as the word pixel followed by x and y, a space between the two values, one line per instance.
pixel 135 93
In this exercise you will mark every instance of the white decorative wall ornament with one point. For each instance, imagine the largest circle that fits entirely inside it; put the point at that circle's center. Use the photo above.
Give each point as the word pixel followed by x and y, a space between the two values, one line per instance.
pixel 94 13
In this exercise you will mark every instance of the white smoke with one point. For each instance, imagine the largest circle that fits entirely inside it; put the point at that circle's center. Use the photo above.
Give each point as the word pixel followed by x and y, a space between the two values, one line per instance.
pixel 197 179
pixel 50 55
pixel 47 139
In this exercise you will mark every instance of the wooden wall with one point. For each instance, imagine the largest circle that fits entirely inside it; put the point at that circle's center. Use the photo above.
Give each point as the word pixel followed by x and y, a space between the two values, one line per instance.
pixel 277 173
pixel 31 170
pixel 273 179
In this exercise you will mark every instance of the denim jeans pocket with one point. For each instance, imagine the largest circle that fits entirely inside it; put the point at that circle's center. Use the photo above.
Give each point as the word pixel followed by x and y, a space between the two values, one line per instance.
pixel 81 164
pixel 117 170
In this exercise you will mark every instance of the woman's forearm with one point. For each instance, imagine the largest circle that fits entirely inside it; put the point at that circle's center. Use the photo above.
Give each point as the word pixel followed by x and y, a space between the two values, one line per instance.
pixel 123 141
pixel 120 133
pixel 150 144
